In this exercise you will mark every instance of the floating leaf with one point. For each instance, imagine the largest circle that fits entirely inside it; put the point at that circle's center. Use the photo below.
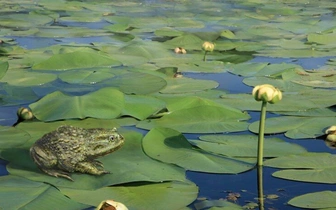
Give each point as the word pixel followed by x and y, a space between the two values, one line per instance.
pixel 20 193
pixel 3 68
pixel 316 200
pixel 27 78
pixel 306 167
pixel 217 205
pixel 75 60
pixel 187 41
pixel 21 20
pixel 86 76
pixel 170 146
pixel 106 103
pixel 128 164
pixel 201 119
pixel 142 107
pixel 295 127
pixel 322 38
pixel 12 137
pixel 245 146
pixel 184 85
pixel 163 196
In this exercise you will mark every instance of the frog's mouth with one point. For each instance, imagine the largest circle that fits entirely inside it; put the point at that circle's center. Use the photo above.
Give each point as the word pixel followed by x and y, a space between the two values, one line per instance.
pixel 101 150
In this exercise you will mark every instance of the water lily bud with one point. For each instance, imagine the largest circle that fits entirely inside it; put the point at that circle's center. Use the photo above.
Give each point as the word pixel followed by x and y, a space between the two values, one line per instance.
pixel 208 46
pixel 25 114
pixel 111 205
pixel 266 93
pixel 180 50
pixel 331 131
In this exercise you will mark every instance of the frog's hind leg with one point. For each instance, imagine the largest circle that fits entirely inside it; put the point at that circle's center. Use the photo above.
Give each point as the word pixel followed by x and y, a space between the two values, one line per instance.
pixel 91 167
pixel 57 173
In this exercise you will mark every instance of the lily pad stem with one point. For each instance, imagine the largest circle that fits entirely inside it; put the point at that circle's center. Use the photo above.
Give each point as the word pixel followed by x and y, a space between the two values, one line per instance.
pixel 261 133
pixel 205 53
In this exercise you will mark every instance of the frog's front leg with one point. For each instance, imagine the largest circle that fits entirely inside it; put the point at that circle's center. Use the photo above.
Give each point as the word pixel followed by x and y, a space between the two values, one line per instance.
pixel 90 167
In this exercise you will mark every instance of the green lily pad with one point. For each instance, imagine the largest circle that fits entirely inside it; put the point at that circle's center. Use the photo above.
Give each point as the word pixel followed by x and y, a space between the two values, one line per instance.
pixel 306 167
pixel 24 20
pixel 3 68
pixel 315 200
pixel 245 146
pixel 187 41
pixel 201 119
pixel 66 32
pixel 184 85
pixel 20 193
pixel 163 196
pixel 142 107
pixel 12 137
pixel 295 127
pixel 122 163
pixel 56 105
pixel 85 58
pixel 86 76
pixel 138 83
pixel 27 78
pixel 170 146
pixel 323 79
pixel 322 38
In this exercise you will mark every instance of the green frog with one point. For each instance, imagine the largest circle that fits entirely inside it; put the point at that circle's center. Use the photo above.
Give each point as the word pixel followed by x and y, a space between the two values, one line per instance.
pixel 72 149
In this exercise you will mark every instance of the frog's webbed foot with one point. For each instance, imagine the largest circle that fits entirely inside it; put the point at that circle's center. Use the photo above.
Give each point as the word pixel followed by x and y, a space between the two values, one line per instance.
pixel 58 173
pixel 91 167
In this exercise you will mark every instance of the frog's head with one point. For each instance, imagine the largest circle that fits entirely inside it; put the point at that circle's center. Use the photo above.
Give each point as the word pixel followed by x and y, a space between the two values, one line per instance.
pixel 103 142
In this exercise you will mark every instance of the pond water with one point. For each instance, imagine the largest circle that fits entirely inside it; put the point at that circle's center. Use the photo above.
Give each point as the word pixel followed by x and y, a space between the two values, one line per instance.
pixel 146 22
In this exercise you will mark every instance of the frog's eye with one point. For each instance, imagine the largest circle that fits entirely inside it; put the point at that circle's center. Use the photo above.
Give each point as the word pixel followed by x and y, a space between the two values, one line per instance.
pixel 111 138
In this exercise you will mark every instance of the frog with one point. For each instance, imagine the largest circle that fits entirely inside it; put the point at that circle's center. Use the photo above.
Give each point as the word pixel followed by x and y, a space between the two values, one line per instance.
pixel 71 149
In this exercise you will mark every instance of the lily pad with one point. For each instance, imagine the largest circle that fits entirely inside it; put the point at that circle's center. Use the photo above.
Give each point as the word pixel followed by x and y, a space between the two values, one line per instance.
pixel 74 60
pixel 315 200
pixel 295 127
pixel 306 167
pixel 245 146
pixel 12 137
pixel 142 107
pixel 86 76
pixel 163 196
pixel 128 164
pixel 25 78
pixel 56 106
pixel 170 146
pixel 201 119
pixel 21 193
pixel 24 20
pixel 184 85
pixel 3 68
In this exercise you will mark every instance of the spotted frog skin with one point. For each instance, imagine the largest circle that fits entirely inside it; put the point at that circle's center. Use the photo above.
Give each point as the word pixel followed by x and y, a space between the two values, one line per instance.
pixel 71 149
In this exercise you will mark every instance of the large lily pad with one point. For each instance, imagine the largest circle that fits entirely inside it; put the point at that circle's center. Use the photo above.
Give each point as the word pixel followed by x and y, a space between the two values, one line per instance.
pixel 86 76
pixel 27 78
pixel 20 193
pixel 3 68
pixel 78 59
pixel 315 200
pixel 129 164
pixel 141 107
pixel 24 20
pixel 184 85
pixel 56 106
pixel 306 167
pixel 201 119
pixel 245 146
pixel 170 146
pixel 165 196
pixel 295 127
pixel 12 137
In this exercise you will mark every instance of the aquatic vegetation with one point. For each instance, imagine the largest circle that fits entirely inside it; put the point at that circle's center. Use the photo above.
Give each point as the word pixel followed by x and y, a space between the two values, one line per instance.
pixel 100 64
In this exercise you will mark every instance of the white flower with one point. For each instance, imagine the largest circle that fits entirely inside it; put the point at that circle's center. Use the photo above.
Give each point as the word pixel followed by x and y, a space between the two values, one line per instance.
pixel 267 93
pixel 331 131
